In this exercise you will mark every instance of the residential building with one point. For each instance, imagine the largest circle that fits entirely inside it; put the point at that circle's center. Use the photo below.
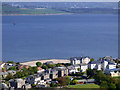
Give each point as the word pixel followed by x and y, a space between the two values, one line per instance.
pixel 4 74
pixel 16 83
pixel 62 71
pixel 80 60
pixel 83 67
pixel 71 69
pixel 113 72
pixel 33 79
pixel 54 74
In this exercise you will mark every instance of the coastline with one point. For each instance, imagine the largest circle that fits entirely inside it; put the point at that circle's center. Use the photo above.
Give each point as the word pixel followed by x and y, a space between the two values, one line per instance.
pixel 35 14
pixel 55 61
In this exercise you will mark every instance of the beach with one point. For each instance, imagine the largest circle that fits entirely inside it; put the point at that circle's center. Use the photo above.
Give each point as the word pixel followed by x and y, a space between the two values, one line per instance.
pixel 55 61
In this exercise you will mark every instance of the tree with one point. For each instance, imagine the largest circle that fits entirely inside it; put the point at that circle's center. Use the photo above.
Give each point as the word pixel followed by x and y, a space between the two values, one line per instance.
pixel 17 63
pixel 100 58
pixel 12 68
pixel 44 67
pixel 50 65
pixel 9 76
pixel 10 62
pixel 62 81
pixel 92 59
pixel 111 85
pixel 103 84
pixel 75 81
pixel 38 64
pixel 67 80
pixel 118 85
pixel 117 61
pixel 58 65
pixel 53 84
pixel 79 69
pixel 89 73
pixel 3 69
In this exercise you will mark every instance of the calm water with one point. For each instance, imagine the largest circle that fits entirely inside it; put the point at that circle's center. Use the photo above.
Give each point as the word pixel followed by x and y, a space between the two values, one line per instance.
pixel 59 36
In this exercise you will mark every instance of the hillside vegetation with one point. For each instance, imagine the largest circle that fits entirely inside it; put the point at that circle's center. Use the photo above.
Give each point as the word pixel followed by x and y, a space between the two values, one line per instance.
pixel 6 9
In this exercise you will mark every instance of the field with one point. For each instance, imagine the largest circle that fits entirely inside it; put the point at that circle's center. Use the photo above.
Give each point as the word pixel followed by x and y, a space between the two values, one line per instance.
pixel 7 10
pixel 84 86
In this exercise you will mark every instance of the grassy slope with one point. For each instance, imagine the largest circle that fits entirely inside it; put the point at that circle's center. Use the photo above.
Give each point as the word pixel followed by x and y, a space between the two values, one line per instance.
pixel 84 86
pixel 13 10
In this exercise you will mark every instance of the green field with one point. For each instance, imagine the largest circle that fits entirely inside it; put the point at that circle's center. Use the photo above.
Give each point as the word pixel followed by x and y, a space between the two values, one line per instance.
pixel 7 10
pixel 84 86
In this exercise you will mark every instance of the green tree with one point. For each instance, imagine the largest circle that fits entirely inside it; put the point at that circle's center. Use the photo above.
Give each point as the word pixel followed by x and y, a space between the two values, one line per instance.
pixel 79 69
pixel 117 61
pixel 52 85
pixel 100 58
pixel 38 64
pixel 111 85
pixel 75 81
pixel 118 85
pixel 3 69
pixel 9 76
pixel 92 59
pixel 58 65
pixel 103 84
pixel 89 73
pixel 44 67
pixel 67 80
pixel 51 66
pixel 63 81
pixel 10 62
pixel 12 68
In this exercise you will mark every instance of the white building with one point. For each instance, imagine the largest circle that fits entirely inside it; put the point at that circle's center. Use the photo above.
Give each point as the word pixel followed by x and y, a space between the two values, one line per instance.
pixel 83 67
pixel 113 72
pixel 102 65
pixel 80 60
pixel 112 66
pixel 16 83
pixel 33 79
pixel 85 60
pixel 73 69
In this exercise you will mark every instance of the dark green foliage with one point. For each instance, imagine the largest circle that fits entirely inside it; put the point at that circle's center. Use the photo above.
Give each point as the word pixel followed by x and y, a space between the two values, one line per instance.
pixel 64 81
pixel 105 81
pixel 9 76
pixel 79 69
pixel 12 68
pixel 112 86
pixel 103 84
pixel 44 67
pixel 92 59
pixel 10 61
pixel 53 85
pixel 38 64
pixel 51 65
pixel 66 64
pixel 74 81
pixel 26 72
pixel 89 73
pixel 58 65
pixel 77 74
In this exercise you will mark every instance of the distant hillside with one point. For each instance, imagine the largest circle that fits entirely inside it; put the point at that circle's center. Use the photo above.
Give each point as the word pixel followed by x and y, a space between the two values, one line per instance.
pixel 7 9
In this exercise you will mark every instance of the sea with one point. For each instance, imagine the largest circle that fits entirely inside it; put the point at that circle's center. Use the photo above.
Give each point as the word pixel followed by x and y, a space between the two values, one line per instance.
pixel 26 38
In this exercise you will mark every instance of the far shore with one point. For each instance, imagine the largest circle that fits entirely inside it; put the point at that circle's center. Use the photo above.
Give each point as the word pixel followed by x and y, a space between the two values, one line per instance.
pixel 55 61
pixel 35 14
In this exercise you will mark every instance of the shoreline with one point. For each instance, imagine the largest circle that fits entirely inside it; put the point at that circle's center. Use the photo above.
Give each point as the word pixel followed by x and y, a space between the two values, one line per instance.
pixel 36 14
pixel 55 61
